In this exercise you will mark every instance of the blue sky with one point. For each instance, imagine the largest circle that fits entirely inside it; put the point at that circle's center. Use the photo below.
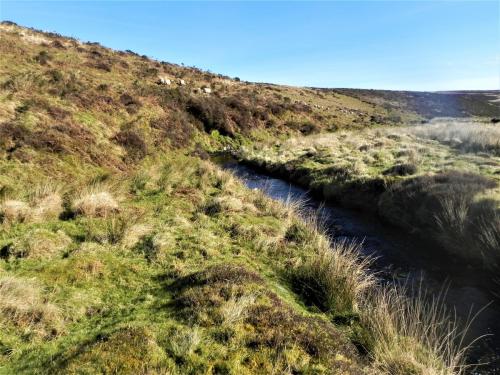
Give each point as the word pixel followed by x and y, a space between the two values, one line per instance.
pixel 424 45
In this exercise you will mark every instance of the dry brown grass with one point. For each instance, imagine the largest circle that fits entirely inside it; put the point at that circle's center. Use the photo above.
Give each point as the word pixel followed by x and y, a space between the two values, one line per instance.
pixel 13 211
pixel 23 304
pixel 96 202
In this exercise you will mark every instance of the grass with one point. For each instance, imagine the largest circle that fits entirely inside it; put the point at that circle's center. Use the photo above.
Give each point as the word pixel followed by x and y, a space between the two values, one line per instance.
pixel 418 184
pixel 164 285
pixel 467 136
pixel 336 278
pixel 412 335
pixel 130 256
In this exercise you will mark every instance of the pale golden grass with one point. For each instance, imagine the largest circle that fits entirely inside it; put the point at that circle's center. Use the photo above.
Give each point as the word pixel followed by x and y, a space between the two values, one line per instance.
pixel 412 335
pixel 13 211
pixel 96 202
pixel 44 203
pixel 23 304
pixel 466 134
pixel 235 309
pixel 135 233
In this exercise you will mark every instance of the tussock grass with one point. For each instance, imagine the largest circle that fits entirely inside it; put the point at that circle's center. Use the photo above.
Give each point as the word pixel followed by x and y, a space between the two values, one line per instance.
pixel 335 278
pixel 466 136
pixel 95 202
pixel 13 211
pixel 23 304
pixel 403 333
pixel 38 244
pixel 412 335
pixel 47 202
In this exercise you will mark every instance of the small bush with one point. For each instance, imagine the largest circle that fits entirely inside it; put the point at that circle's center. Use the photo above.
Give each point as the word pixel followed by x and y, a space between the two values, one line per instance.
pixel 132 105
pixel 133 143
pixel 43 58
pixel 211 113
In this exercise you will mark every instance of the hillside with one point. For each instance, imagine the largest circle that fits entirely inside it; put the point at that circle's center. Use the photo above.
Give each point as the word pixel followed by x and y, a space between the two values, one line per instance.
pixel 123 249
pixel 433 104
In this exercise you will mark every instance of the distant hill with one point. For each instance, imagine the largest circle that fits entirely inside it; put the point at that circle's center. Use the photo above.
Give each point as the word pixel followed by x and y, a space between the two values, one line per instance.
pixel 433 104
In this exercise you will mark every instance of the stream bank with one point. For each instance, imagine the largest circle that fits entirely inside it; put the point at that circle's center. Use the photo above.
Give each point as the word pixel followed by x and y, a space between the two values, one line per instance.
pixel 401 257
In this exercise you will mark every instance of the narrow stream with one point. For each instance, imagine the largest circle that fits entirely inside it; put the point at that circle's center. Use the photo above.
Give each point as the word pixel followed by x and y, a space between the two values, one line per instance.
pixel 404 258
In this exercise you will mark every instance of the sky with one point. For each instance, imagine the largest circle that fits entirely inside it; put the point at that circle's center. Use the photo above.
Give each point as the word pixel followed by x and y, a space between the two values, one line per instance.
pixel 398 45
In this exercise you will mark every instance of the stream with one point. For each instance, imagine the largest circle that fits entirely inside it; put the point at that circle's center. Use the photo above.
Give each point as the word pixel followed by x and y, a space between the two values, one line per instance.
pixel 403 258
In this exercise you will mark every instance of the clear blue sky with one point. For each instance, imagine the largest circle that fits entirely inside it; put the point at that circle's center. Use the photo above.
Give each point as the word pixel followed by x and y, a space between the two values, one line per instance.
pixel 425 45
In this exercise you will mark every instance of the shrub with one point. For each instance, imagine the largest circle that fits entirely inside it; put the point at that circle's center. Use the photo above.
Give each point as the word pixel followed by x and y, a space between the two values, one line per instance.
pixel 133 143
pixel 211 113
pixel 132 105
pixel 305 127
pixel 43 58
pixel 404 169
pixel 175 127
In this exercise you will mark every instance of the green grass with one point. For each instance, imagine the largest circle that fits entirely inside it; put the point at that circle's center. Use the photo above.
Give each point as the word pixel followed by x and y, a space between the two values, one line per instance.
pixel 421 185
pixel 119 253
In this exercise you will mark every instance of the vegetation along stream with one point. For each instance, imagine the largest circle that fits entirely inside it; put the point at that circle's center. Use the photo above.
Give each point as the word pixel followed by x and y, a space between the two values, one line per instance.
pixel 404 259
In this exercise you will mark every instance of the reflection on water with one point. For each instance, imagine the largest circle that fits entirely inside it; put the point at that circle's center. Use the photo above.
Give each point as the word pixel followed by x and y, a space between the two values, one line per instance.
pixel 402 257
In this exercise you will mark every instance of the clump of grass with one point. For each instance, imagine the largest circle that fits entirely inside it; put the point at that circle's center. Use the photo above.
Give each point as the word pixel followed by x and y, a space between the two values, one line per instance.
pixel 22 303
pixel 96 202
pixel 412 335
pixel 39 243
pixel 335 278
pixel 14 211
pixel 106 230
pixel 47 203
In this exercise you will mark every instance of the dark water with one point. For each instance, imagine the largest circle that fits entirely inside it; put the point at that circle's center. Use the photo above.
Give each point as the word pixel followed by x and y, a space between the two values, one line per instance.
pixel 404 258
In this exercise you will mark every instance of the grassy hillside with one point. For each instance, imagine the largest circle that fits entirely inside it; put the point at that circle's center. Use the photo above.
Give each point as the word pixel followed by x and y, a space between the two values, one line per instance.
pixel 433 104
pixel 123 251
